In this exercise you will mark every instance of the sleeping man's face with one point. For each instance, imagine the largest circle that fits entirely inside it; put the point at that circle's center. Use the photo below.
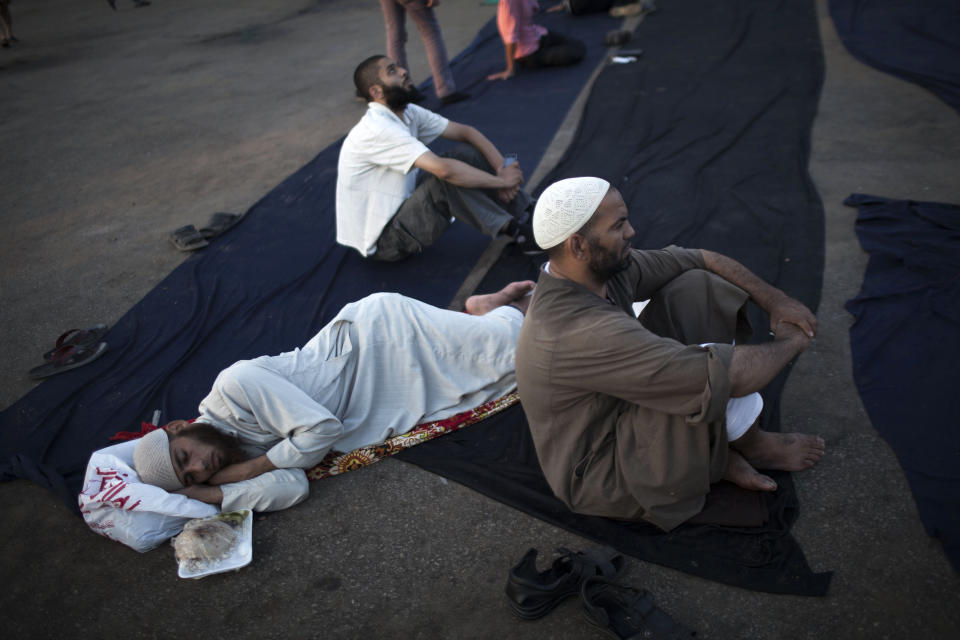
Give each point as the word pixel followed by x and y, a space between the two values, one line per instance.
pixel 198 451
pixel 193 461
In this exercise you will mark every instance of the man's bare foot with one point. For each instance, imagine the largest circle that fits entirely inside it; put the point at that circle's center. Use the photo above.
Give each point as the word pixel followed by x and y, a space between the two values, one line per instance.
pixel 515 293
pixel 740 473
pixel 780 451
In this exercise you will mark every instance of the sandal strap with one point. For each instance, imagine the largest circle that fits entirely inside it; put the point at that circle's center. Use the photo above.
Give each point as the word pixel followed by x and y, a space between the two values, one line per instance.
pixel 605 562
pixel 64 354
pixel 655 623
pixel 68 335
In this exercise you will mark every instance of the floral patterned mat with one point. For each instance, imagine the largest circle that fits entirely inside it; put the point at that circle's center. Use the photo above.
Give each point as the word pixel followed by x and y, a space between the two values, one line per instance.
pixel 336 463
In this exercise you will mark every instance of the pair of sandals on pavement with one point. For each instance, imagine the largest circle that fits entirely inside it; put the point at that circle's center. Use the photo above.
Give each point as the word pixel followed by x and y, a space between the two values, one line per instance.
pixel 189 238
pixel 74 348
pixel 622 611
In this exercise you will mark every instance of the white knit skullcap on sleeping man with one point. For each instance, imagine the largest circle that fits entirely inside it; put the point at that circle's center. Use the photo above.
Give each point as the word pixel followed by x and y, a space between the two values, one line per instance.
pixel 564 207
pixel 151 461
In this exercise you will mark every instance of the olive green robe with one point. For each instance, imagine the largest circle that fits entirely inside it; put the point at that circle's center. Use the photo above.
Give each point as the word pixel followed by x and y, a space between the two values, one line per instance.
pixel 628 416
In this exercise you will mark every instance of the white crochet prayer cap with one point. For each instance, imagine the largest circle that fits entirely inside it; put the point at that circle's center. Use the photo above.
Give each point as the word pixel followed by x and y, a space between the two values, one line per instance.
pixel 151 461
pixel 564 207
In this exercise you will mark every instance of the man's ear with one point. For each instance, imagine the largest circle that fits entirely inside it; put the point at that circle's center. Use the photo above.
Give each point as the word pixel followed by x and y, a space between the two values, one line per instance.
pixel 376 92
pixel 175 426
pixel 578 247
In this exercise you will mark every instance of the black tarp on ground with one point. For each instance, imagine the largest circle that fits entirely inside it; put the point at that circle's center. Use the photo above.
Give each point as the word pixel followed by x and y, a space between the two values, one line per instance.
pixel 270 283
pixel 917 40
pixel 905 343
pixel 715 117
pixel 707 137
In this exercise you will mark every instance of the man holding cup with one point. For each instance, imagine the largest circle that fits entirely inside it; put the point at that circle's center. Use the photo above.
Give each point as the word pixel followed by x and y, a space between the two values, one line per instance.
pixel 395 196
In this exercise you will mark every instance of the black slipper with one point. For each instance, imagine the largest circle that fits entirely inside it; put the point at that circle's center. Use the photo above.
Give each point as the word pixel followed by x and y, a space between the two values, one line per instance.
pixel 187 238
pixel 86 338
pixel 68 357
pixel 533 594
pixel 219 223
pixel 628 613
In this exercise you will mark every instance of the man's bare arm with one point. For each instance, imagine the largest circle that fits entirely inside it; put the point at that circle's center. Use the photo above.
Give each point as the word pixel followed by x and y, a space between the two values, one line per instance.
pixel 242 470
pixel 755 365
pixel 780 306
pixel 458 132
pixel 463 175
pixel 512 175
pixel 509 51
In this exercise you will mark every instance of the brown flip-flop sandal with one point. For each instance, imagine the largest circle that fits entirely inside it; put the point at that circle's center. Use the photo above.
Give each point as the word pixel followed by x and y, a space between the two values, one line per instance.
pixel 68 357
pixel 87 338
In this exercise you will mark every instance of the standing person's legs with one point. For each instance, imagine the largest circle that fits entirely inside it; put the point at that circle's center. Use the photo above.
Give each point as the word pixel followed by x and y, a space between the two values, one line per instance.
pixel 6 24
pixel 429 29
pixel 393 20
pixel 554 50
pixel 425 215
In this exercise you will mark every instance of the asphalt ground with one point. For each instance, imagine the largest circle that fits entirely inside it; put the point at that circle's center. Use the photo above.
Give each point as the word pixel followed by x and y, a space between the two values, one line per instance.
pixel 120 126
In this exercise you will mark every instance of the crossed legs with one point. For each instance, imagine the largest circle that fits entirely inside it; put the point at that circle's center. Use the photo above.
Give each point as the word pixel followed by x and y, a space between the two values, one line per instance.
pixel 699 307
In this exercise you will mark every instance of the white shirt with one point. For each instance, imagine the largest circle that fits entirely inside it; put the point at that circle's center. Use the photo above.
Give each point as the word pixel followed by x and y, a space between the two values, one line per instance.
pixel 382 366
pixel 374 174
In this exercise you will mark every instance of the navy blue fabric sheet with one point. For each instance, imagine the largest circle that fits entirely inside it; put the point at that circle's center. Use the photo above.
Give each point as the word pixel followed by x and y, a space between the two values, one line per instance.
pixel 270 283
pixel 713 120
pixel 905 344
pixel 917 40
pixel 707 137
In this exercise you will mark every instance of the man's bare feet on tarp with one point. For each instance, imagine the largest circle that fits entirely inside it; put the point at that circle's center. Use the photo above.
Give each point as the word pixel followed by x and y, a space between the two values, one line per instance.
pixel 740 473
pixel 780 451
pixel 515 293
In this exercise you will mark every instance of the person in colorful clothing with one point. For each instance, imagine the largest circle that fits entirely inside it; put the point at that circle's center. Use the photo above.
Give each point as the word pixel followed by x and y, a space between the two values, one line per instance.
pixel 528 45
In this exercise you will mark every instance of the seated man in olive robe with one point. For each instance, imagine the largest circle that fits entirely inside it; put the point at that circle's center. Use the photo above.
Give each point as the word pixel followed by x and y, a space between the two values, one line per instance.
pixel 635 419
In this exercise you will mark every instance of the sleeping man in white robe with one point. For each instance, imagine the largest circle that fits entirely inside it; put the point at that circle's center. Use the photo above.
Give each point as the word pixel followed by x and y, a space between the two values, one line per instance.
pixel 383 365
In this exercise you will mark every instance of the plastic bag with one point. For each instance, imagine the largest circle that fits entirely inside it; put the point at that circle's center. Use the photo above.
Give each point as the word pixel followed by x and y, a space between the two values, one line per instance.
pixel 115 504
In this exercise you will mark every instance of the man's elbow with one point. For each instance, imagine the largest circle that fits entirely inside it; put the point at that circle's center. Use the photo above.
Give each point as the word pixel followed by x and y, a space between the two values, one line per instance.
pixel 444 171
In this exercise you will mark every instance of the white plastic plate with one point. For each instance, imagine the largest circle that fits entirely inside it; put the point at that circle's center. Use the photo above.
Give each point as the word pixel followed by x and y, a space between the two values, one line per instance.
pixel 239 556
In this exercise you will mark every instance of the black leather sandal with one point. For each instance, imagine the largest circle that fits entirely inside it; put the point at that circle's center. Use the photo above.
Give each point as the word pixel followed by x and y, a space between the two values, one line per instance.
pixel 628 613
pixel 533 594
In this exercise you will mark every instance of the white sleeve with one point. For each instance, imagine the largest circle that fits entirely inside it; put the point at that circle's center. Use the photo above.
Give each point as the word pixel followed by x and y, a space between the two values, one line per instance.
pixel 271 491
pixel 429 125
pixel 396 148
pixel 255 400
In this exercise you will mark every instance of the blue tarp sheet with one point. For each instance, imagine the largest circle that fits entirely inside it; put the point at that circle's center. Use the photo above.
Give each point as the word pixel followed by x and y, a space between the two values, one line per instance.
pixel 707 135
pixel 917 40
pixel 273 281
pixel 905 344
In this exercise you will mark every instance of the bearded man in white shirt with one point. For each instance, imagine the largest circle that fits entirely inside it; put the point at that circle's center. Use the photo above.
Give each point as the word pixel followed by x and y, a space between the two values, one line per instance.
pixel 395 196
